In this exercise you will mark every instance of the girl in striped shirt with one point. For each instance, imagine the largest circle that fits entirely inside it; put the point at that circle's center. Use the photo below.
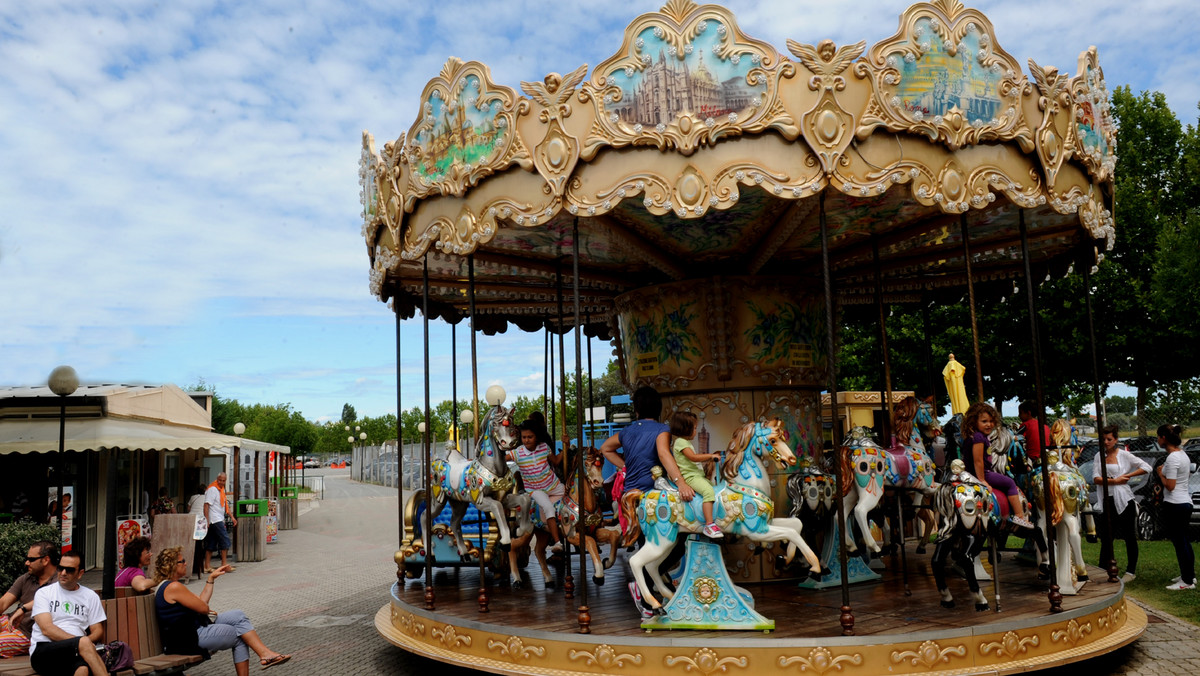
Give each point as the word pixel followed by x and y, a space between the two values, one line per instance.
pixel 533 458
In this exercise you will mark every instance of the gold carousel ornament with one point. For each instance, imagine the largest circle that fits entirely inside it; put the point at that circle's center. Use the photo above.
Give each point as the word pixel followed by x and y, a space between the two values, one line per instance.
pixel 706 201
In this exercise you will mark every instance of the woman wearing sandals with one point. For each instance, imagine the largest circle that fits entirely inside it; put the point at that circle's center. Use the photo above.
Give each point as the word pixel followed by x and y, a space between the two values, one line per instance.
pixel 1176 509
pixel 1121 467
pixel 185 621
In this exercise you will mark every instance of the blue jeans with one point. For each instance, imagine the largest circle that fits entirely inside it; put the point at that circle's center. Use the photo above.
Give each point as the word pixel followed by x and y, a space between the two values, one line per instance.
pixel 225 633
pixel 218 538
pixel 1175 517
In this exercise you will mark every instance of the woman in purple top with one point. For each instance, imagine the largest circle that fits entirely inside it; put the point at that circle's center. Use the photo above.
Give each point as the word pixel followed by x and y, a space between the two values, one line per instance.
pixel 135 557
pixel 978 423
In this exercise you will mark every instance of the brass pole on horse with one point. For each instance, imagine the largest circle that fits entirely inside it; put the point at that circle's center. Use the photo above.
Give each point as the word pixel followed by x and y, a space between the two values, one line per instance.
pixel 454 384
pixel 568 579
pixel 966 243
pixel 585 617
pixel 929 368
pixel 889 419
pixel 547 356
pixel 1101 457
pixel 399 442
pixel 1055 595
pixel 483 590
pixel 847 616
pixel 426 534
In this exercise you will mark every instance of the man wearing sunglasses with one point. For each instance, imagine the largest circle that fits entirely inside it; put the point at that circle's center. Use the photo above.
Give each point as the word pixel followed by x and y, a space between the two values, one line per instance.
pixel 42 565
pixel 68 625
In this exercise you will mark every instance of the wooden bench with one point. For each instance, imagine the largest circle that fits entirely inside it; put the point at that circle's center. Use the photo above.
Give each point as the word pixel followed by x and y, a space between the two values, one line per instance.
pixel 132 619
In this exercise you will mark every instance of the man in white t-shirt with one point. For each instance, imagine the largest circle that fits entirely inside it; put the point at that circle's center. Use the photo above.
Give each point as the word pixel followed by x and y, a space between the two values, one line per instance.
pixel 68 624
pixel 217 540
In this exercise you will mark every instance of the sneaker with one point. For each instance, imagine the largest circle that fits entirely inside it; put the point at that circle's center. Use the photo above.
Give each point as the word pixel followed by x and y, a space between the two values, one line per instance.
pixel 1177 578
pixel 1021 522
pixel 711 530
pixel 1128 577
pixel 556 548
pixel 1180 585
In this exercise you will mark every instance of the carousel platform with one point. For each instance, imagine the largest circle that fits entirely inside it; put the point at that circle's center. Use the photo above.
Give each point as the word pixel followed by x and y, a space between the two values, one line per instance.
pixel 535 631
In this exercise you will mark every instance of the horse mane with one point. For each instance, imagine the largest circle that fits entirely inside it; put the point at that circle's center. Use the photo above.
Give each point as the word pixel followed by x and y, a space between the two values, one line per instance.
pixel 902 418
pixel 943 506
pixel 737 448
pixel 845 468
pixel 1054 501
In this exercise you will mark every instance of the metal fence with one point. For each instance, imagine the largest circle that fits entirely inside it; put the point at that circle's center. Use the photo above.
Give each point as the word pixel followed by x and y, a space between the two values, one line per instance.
pixel 315 485
pixel 378 465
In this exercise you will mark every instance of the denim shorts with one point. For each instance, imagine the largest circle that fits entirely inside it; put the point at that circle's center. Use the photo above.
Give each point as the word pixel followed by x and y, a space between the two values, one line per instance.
pixel 217 538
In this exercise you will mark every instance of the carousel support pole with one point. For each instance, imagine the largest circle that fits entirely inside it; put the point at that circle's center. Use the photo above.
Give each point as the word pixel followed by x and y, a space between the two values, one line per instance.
pixel 585 617
pixel 568 579
pixel 551 417
pixel 454 387
pixel 427 532
pixel 995 573
pixel 966 242
pixel 1055 595
pixel 929 369
pixel 889 419
pixel 399 450
pixel 546 357
pixel 1110 565
pixel 591 396
pixel 483 590
pixel 847 616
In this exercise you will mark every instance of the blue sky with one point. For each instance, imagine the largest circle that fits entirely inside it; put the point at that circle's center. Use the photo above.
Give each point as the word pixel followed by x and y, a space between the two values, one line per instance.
pixel 178 180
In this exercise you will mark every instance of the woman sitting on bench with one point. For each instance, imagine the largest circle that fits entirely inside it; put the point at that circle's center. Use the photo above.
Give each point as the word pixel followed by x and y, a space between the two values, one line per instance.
pixel 185 621
pixel 136 557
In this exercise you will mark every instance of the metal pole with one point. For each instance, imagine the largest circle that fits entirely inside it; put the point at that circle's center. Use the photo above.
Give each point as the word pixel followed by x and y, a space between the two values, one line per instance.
pixel 591 395
pixel 889 419
pixel 454 385
pixel 483 591
pixel 109 588
pixel 62 462
pixel 547 355
pixel 847 616
pixel 427 533
pixel 929 370
pixel 966 242
pixel 1055 595
pixel 568 579
pixel 399 441
pixel 585 617
pixel 1101 457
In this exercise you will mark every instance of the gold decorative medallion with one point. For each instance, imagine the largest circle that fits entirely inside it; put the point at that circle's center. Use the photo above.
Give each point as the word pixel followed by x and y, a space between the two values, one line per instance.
pixel 820 660
pixel 1009 645
pixel 450 638
pixel 928 654
pixel 1072 634
pixel 515 649
pixel 827 126
pixel 606 657
pixel 412 626
pixel 705 662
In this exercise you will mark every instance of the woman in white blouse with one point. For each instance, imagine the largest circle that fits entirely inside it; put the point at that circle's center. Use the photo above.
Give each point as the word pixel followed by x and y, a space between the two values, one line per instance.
pixel 1177 504
pixel 1122 466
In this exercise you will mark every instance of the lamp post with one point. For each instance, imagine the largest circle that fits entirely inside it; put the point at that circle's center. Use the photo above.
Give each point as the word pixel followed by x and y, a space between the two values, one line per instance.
pixel 421 432
pixel 63 381
pixel 467 417
pixel 238 429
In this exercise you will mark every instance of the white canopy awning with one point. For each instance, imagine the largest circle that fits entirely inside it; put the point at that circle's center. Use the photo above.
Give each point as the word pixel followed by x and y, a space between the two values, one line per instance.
pixel 40 435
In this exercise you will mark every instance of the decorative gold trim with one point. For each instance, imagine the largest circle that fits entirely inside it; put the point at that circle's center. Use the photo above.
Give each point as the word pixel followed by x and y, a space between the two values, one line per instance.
pixel 949 23
pixel 1113 616
pixel 828 127
pixel 605 657
pixel 821 660
pixel 705 661
pixel 450 638
pixel 1072 634
pixel 411 625
pixel 929 654
pixel 515 649
pixel 1009 645
pixel 1089 93
pixel 557 154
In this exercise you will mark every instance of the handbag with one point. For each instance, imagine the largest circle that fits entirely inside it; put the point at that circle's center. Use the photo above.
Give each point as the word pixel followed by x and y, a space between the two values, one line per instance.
pixel 117 656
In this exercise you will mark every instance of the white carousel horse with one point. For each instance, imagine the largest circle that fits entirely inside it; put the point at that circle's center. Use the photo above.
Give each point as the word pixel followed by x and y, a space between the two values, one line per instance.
pixel 743 507
pixel 874 468
pixel 567 510
pixel 1067 495
pixel 485 481
pixel 965 509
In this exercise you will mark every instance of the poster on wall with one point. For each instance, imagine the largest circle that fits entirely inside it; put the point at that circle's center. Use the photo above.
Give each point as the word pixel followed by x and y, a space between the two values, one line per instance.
pixel 272 520
pixel 68 505
pixel 131 526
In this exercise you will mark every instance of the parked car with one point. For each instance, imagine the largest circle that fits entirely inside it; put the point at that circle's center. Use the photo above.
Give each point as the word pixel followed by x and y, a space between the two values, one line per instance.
pixel 1148 521
pixel 312 463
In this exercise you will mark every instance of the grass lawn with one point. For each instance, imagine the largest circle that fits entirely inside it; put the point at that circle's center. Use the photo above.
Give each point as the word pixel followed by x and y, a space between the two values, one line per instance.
pixel 1156 568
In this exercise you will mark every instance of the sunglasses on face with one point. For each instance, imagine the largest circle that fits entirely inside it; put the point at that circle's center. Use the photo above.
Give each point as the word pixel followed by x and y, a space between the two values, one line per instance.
pixel 181 561
pixel 69 570
pixel 31 559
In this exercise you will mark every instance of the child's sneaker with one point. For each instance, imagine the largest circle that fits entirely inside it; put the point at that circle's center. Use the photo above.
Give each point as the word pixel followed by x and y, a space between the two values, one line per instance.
pixel 1180 585
pixel 1021 522
pixel 1128 577
pixel 711 530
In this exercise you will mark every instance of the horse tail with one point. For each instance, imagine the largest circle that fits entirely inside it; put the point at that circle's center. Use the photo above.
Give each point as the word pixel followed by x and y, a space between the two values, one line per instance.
pixel 903 416
pixel 795 492
pixel 1054 501
pixel 629 505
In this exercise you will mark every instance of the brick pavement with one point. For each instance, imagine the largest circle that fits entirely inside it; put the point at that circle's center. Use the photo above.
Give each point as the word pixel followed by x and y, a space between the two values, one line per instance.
pixel 317 593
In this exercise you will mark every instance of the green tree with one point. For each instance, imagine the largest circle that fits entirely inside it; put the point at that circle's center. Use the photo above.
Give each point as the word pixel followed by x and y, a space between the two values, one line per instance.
pixel 349 415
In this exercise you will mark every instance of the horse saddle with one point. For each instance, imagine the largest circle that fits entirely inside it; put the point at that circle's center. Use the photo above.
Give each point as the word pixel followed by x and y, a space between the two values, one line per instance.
pixel 899 458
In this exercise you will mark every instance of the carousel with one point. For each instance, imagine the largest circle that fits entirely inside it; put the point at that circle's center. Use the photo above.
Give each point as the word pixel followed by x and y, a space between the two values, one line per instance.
pixel 708 203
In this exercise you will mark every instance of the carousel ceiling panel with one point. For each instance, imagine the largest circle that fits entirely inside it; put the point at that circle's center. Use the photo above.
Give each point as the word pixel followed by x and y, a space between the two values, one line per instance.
pixel 696 150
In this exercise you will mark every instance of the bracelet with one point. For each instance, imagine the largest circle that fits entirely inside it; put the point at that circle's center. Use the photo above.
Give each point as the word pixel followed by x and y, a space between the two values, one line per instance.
pixel 211 582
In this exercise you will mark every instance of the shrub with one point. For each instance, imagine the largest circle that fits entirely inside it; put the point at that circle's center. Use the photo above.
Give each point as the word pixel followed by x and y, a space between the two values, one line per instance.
pixel 15 539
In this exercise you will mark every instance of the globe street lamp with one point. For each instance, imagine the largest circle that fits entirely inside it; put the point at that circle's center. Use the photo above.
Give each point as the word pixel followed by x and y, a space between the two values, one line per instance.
pixel 467 417
pixel 63 382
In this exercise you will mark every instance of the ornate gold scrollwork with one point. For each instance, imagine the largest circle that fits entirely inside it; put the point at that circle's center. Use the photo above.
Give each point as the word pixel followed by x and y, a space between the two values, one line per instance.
pixel 1009 645
pixel 1055 136
pixel 1095 132
pixel 1072 634
pixel 685 76
pixel 465 131
pixel 515 649
pixel 605 657
pixel 820 660
pixel 943 75
pixel 411 625
pixel 450 638
pixel 705 661
pixel 827 126
pixel 556 155
pixel 928 654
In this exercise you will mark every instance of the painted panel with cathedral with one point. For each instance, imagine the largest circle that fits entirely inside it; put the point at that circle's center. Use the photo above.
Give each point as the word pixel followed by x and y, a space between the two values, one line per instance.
pixel 696 79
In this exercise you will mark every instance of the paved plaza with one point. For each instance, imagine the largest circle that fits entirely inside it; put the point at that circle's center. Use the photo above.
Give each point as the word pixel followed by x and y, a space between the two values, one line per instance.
pixel 317 593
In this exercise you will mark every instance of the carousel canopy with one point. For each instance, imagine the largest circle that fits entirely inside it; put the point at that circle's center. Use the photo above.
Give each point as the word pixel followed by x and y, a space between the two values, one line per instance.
pixel 696 151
